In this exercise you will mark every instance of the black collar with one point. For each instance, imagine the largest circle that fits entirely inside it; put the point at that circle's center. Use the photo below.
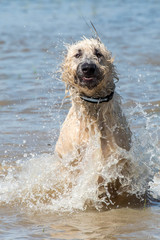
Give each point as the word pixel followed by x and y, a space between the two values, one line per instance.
pixel 98 100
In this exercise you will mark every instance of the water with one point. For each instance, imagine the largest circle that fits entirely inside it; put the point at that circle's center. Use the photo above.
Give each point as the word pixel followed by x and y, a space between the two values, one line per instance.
pixel 35 200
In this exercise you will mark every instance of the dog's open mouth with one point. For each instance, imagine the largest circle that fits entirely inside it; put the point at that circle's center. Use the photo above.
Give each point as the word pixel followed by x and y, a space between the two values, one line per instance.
pixel 89 82
pixel 88 78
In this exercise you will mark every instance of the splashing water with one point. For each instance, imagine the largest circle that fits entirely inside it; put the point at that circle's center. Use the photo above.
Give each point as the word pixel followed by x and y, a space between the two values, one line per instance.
pixel 48 183
pixel 146 146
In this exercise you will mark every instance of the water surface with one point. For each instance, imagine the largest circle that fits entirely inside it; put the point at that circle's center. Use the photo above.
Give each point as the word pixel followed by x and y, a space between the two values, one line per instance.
pixel 32 39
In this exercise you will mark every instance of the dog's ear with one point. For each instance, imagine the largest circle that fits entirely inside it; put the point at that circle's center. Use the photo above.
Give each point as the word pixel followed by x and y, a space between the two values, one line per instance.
pixel 114 71
pixel 115 76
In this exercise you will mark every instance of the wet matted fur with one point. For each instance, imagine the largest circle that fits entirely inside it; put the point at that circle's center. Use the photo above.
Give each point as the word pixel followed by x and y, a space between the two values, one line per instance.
pixel 106 117
pixel 88 71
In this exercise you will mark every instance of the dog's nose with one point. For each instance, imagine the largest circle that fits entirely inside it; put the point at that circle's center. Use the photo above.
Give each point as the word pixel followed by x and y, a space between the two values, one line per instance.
pixel 88 68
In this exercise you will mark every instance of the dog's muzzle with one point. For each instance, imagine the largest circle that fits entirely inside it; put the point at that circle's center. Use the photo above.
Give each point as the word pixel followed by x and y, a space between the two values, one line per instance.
pixel 88 74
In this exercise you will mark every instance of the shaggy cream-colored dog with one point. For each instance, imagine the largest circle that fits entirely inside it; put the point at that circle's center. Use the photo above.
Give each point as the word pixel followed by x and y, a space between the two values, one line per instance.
pixel 89 74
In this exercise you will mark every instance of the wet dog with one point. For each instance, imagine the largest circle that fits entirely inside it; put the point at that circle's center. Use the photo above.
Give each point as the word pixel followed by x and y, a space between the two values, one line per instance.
pixel 89 73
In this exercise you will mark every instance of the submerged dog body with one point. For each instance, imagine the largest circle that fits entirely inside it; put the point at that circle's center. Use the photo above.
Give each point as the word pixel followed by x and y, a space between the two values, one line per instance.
pixel 89 73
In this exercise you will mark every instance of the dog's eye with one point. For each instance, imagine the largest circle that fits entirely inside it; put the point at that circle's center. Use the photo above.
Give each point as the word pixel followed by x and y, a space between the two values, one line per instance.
pixel 99 55
pixel 78 55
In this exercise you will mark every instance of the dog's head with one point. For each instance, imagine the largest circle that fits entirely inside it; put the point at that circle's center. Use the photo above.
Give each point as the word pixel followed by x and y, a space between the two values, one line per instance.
pixel 88 67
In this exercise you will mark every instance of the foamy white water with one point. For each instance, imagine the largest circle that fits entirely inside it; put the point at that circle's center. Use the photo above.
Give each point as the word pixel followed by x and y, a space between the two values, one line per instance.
pixel 48 183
